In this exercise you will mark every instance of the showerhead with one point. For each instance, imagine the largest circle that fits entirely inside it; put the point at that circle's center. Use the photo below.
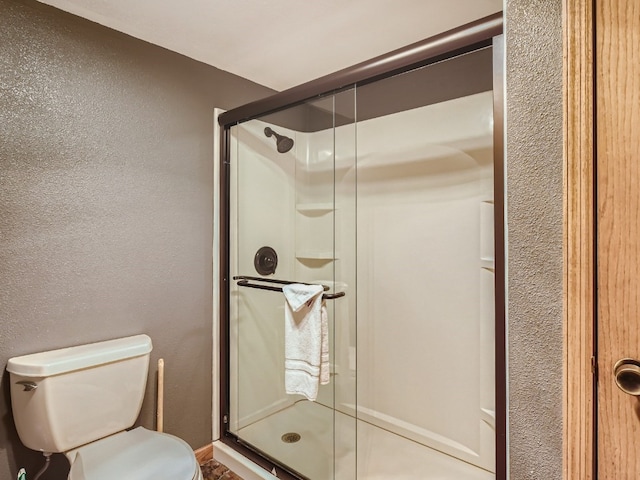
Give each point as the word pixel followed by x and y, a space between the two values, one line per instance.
pixel 283 144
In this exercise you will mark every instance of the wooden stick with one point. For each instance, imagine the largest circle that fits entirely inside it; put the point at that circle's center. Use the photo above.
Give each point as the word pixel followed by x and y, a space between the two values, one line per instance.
pixel 160 411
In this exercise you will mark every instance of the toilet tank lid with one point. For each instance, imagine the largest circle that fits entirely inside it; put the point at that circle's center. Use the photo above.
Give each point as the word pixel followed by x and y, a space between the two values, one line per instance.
pixel 68 359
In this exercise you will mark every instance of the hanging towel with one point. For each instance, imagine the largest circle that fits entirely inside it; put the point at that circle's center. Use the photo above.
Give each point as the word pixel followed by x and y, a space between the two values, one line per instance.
pixel 306 340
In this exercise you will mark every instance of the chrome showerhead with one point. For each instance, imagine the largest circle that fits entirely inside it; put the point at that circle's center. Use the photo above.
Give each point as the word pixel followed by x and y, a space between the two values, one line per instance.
pixel 283 144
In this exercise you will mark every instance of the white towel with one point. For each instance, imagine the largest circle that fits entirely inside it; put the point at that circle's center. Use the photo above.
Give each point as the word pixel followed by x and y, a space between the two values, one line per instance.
pixel 306 340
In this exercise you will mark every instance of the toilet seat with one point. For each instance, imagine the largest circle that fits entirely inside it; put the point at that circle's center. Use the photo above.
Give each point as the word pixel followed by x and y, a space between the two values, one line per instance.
pixel 137 454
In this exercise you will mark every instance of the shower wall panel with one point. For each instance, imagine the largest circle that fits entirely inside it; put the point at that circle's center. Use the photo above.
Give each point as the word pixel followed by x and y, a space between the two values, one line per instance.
pixel 326 225
pixel 425 277
pixel 301 205
pixel 263 199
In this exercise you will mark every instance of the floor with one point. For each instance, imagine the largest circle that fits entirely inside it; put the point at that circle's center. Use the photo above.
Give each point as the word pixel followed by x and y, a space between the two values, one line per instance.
pixel 213 470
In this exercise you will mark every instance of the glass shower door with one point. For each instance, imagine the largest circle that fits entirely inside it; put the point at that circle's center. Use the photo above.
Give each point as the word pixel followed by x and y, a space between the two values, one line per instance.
pixel 396 227
pixel 426 273
pixel 292 221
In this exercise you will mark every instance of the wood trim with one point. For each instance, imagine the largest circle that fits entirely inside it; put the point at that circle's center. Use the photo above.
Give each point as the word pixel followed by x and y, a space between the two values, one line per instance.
pixel 204 454
pixel 579 241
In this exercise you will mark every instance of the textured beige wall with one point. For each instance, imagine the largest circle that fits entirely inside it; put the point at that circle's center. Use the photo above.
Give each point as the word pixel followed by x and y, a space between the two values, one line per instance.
pixel 106 203
pixel 534 223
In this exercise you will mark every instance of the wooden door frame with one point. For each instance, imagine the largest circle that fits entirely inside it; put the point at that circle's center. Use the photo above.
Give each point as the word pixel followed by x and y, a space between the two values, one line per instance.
pixel 579 241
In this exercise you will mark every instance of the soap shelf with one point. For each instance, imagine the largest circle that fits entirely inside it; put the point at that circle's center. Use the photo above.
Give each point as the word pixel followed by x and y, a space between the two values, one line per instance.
pixel 487 264
pixel 488 416
pixel 320 255
pixel 317 208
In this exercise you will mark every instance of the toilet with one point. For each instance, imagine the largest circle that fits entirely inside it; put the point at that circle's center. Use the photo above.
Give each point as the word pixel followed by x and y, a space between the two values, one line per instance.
pixel 81 400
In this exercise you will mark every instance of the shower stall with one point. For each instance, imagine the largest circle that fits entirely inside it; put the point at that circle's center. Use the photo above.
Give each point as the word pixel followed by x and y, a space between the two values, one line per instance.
pixel 383 185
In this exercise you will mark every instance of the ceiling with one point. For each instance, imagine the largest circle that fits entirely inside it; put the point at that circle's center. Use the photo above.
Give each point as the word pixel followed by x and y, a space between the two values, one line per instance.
pixel 280 43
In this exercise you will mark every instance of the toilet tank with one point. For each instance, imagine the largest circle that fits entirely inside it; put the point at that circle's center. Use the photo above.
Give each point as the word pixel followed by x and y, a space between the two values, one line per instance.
pixel 62 399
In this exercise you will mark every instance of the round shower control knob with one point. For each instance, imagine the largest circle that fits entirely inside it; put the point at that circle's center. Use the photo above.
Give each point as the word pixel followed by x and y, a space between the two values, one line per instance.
pixel 265 261
pixel 627 375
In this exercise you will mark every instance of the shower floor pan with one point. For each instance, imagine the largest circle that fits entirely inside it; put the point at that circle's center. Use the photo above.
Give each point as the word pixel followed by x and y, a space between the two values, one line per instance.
pixel 380 453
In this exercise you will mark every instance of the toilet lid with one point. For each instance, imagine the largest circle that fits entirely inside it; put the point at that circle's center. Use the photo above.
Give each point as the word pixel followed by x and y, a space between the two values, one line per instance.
pixel 138 454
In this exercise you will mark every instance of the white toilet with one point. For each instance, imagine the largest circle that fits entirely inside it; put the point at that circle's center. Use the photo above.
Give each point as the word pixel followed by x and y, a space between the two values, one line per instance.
pixel 80 400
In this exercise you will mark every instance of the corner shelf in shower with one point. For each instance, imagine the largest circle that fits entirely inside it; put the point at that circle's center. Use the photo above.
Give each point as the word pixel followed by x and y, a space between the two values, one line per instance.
pixel 487 264
pixel 488 416
pixel 315 208
pixel 487 260
pixel 314 227
pixel 326 256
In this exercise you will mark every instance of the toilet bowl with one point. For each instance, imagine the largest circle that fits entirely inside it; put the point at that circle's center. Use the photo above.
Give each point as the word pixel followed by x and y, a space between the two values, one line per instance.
pixel 134 455
pixel 82 400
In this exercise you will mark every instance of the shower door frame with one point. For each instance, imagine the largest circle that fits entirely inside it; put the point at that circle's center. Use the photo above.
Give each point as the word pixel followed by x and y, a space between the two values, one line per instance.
pixel 467 38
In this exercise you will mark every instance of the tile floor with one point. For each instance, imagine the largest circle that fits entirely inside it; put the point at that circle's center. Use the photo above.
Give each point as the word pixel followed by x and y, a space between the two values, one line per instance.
pixel 213 470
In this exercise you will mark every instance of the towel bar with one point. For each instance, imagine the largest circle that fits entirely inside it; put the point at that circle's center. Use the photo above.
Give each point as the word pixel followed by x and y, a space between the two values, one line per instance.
pixel 244 281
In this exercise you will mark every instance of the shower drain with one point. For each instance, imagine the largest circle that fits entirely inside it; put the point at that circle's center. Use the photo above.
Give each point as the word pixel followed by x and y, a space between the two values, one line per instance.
pixel 291 437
